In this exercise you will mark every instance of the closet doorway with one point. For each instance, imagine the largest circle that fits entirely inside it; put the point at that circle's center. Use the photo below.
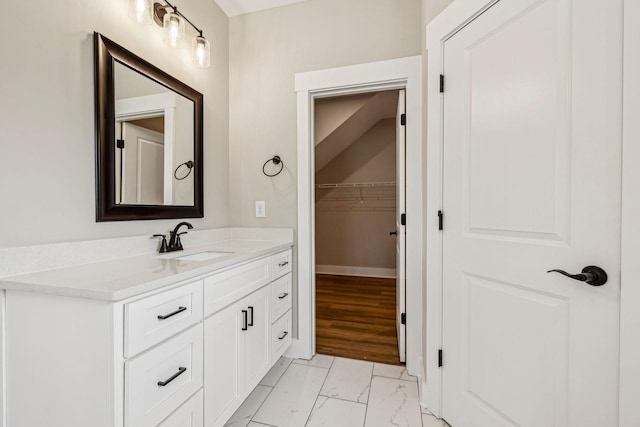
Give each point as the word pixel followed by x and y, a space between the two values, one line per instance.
pixel 359 144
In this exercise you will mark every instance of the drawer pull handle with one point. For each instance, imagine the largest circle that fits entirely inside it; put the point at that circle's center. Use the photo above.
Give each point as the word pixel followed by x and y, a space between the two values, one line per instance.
pixel 181 371
pixel 283 296
pixel 251 314
pixel 283 263
pixel 284 334
pixel 244 320
pixel 166 316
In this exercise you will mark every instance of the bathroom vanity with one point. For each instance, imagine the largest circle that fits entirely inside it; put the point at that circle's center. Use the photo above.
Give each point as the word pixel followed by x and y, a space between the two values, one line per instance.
pixel 171 340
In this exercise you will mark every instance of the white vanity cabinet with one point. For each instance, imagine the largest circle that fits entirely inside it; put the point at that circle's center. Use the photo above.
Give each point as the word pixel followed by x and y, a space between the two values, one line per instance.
pixel 185 355
pixel 237 354
pixel 280 304
pixel 239 339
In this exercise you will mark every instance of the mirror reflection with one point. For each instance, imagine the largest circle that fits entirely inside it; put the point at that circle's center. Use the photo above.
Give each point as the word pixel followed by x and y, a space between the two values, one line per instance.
pixel 154 142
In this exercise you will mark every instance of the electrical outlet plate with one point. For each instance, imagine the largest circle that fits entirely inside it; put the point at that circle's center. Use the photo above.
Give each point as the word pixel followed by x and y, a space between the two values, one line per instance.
pixel 260 209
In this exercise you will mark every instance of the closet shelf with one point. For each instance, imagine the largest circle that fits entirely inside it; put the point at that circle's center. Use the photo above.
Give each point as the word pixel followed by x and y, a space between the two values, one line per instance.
pixel 357 209
pixel 356 196
pixel 357 185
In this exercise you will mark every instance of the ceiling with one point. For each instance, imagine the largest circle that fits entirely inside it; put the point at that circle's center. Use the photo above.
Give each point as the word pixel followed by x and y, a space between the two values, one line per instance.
pixel 340 121
pixel 240 7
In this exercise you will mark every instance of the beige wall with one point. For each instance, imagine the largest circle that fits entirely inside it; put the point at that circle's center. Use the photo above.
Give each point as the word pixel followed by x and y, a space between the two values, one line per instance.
pixel 266 50
pixel 356 233
pixel 47 172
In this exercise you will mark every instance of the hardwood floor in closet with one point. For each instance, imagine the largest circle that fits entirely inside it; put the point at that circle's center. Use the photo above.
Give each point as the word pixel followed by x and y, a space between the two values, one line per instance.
pixel 355 318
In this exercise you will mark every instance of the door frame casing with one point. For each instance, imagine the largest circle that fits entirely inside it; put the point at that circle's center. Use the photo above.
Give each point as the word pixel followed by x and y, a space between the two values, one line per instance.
pixel 401 73
pixel 450 21
pixel 630 227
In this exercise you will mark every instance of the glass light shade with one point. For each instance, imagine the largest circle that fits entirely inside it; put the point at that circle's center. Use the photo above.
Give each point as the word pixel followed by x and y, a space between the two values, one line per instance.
pixel 173 30
pixel 140 11
pixel 201 52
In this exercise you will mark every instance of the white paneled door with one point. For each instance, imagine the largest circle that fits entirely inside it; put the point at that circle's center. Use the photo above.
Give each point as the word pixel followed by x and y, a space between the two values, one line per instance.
pixel 401 275
pixel 532 164
pixel 143 160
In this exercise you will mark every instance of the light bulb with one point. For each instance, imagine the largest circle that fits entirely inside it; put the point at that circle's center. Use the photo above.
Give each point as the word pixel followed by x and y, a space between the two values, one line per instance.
pixel 201 52
pixel 140 11
pixel 173 30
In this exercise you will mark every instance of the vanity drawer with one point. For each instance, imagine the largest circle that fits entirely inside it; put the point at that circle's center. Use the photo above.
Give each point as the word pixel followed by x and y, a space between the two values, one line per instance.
pixel 224 288
pixel 280 336
pixel 280 264
pixel 160 380
pixel 151 320
pixel 191 414
pixel 280 296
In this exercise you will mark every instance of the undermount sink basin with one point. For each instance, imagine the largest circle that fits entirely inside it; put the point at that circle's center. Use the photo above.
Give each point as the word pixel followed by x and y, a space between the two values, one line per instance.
pixel 201 256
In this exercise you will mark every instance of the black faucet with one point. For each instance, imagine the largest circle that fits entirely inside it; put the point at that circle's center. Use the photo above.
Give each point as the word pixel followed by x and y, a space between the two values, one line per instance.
pixel 174 241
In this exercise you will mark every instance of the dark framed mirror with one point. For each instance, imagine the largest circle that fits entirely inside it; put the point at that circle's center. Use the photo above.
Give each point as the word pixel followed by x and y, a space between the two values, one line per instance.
pixel 148 139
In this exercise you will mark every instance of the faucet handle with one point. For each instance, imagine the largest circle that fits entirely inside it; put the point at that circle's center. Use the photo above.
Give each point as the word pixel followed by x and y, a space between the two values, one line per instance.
pixel 163 245
pixel 178 241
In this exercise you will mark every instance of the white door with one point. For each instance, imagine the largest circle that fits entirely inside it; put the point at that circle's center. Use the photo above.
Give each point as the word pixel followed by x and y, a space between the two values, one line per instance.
pixel 256 351
pixel 532 161
pixel 143 165
pixel 400 228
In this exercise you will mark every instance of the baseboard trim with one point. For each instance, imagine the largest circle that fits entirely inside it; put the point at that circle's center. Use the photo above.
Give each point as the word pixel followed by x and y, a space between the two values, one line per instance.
pixel 297 350
pixel 340 270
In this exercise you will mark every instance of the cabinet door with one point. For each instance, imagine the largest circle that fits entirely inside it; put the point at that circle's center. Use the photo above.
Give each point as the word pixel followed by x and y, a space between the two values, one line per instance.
pixel 256 352
pixel 222 352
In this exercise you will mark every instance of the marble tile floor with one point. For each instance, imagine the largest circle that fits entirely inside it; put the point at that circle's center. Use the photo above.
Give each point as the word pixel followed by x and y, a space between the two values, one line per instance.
pixel 331 391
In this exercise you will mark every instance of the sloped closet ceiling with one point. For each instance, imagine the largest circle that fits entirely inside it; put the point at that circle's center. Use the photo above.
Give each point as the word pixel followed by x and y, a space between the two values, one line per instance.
pixel 340 121
pixel 240 7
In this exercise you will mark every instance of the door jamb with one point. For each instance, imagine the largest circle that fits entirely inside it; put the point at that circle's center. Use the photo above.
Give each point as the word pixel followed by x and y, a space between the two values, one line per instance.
pixel 441 28
pixel 401 73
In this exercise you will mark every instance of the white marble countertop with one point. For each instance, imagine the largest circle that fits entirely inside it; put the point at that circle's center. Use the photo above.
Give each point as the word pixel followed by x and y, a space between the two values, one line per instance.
pixel 118 279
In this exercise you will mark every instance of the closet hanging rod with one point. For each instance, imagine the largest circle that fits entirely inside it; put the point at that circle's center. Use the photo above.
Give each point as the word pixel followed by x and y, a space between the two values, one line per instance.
pixel 357 184
pixel 355 199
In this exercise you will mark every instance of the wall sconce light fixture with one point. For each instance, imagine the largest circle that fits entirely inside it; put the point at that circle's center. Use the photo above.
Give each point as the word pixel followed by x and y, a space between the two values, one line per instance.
pixel 166 15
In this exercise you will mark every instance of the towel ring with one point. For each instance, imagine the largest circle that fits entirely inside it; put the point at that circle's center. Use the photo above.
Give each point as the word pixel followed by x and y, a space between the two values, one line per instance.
pixel 276 161
pixel 188 164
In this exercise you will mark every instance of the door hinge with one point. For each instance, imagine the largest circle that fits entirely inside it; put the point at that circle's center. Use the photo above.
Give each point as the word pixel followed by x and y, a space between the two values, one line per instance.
pixel 403 318
pixel 120 143
pixel 441 83
pixel 440 358
pixel 403 119
pixel 440 220
pixel 403 219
